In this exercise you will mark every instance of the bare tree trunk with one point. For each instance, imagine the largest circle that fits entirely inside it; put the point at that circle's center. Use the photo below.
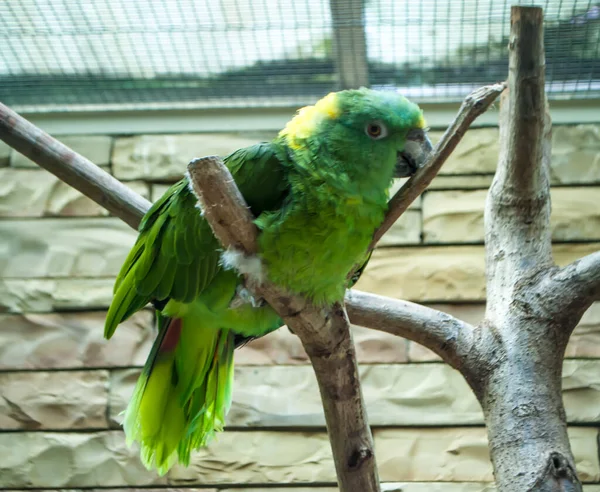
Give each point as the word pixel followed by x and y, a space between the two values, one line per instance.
pixel 526 422
pixel 520 388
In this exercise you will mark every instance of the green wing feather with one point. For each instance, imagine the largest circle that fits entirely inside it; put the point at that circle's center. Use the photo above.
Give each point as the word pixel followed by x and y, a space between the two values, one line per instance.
pixel 176 255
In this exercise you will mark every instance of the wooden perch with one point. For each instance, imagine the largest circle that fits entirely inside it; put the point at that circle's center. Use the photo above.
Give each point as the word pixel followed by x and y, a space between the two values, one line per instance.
pixel 324 332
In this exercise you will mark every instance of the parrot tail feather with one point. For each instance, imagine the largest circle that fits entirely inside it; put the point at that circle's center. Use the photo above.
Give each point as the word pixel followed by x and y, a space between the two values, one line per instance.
pixel 183 394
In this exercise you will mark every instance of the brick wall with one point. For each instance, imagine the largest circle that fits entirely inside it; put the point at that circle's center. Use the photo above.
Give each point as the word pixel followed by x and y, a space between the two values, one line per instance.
pixel 62 386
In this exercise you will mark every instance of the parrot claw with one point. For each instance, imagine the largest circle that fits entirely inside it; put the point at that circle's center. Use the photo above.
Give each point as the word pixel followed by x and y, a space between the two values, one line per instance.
pixel 243 297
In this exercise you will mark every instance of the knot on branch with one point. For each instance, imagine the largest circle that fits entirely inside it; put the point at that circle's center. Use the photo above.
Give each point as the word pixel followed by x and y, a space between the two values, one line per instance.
pixel 525 410
pixel 359 456
pixel 558 475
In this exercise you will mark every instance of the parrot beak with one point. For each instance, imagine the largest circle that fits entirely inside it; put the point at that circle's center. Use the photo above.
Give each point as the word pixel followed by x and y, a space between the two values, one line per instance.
pixel 416 151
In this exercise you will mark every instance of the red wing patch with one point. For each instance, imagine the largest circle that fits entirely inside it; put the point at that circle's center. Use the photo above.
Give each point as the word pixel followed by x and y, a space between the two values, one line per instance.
pixel 172 336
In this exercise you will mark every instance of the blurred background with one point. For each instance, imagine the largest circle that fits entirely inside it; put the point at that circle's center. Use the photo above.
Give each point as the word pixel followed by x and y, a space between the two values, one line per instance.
pixel 139 54
pixel 140 88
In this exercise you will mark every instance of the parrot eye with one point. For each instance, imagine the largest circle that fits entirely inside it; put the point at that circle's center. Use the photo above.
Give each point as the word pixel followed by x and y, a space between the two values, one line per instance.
pixel 376 130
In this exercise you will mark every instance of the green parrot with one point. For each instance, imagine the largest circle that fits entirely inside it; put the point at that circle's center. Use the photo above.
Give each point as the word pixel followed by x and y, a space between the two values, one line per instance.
pixel 318 192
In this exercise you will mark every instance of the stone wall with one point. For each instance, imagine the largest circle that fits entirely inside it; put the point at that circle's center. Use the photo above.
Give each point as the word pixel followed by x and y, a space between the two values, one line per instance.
pixel 62 386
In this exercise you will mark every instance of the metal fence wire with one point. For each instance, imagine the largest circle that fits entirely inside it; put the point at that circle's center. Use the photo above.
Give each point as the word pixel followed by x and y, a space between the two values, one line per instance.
pixel 137 54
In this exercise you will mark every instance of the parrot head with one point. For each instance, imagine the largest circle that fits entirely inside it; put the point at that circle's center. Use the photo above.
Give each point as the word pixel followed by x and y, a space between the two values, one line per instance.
pixel 361 134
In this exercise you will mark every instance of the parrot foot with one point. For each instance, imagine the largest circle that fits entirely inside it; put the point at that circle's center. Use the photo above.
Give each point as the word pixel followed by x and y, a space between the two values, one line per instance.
pixel 243 296
pixel 252 266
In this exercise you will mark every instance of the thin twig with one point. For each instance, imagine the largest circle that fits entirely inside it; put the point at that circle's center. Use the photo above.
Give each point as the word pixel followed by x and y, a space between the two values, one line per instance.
pixel 324 332
pixel 474 105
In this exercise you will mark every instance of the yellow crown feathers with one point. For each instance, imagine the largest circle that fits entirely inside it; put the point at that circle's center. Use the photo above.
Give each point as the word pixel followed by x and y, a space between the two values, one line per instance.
pixel 303 125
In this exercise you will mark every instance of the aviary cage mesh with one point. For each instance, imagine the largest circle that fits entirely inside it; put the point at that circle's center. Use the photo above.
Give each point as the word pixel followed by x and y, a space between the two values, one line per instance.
pixel 135 54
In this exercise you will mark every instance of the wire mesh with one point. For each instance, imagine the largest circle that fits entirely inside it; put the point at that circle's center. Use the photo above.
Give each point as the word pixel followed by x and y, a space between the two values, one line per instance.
pixel 122 54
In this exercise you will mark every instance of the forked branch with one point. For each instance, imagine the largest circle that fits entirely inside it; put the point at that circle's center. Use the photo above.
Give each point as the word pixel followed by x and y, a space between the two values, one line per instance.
pixel 572 289
pixel 517 214
pixel 324 332
pixel 526 327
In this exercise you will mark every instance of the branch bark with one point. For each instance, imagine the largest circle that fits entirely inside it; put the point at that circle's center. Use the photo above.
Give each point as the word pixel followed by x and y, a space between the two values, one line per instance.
pixel 580 281
pixel 452 339
pixel 324 332
pixel 522 340
pixel 566 293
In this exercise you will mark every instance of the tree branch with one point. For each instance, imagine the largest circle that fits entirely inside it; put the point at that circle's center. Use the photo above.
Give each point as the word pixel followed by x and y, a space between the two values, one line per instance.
pixel 447 336
pixel 570 291
pixel 522 175
pixel 522 336
pixel 474 105
pixel 582 277
pixel 517 212
pixel 324 332
pixel 72 168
